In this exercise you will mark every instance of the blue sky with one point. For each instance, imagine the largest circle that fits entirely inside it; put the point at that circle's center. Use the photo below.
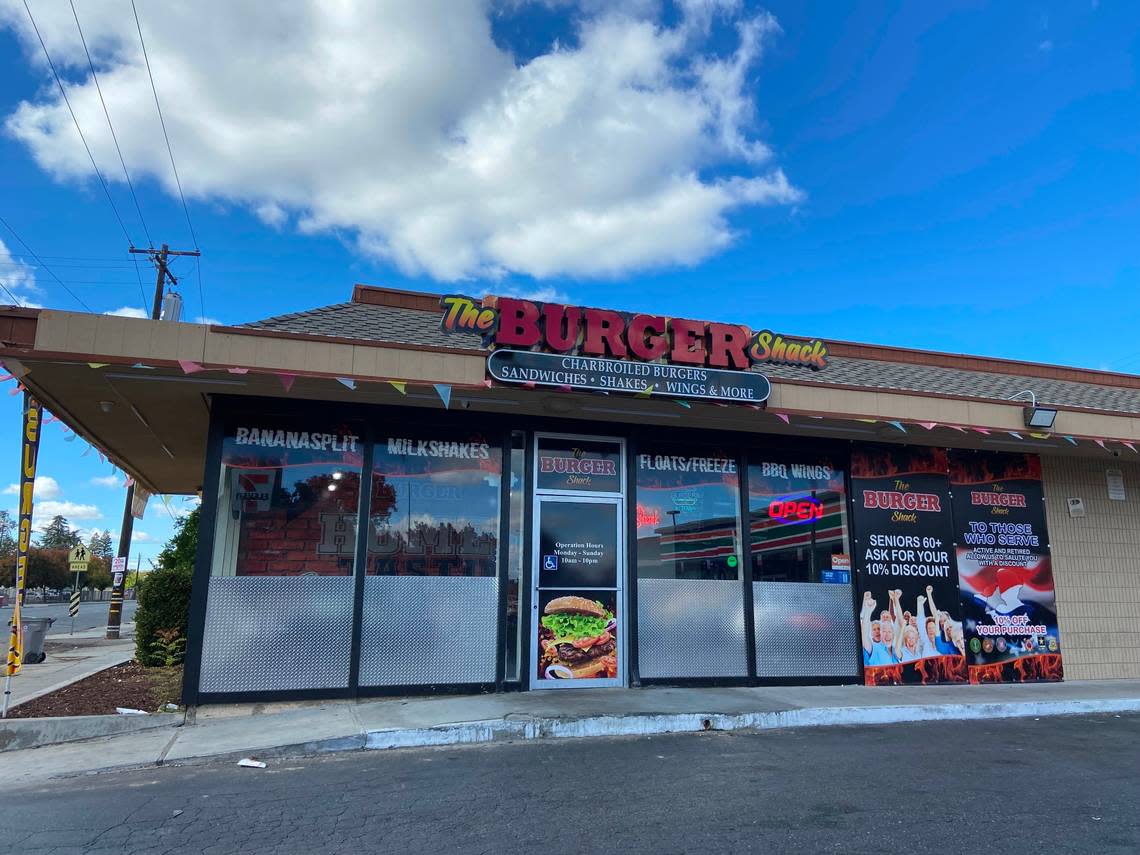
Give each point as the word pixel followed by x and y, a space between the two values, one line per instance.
pixel 954 176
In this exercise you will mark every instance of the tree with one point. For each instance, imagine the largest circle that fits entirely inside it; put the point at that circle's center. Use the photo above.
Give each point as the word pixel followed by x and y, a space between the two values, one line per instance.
pixel 7 538
pixel 164 595
pixel 100 545
pixel 59 535
pixel 180 549
pixel 48 568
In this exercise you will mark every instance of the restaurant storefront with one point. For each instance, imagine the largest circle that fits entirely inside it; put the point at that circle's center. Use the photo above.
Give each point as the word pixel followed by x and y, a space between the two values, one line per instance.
pixel 503 495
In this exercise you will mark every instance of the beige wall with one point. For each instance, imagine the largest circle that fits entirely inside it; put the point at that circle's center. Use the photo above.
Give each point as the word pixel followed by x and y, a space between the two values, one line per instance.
pixel 1096 566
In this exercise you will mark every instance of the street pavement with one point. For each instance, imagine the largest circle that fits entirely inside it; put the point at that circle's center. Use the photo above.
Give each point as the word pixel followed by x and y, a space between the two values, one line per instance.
pixel 1056 785
pixel 92 615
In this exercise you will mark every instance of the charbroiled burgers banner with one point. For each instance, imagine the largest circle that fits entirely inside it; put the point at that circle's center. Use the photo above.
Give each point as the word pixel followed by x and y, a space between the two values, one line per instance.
pixel 1009 608
pixel 909 613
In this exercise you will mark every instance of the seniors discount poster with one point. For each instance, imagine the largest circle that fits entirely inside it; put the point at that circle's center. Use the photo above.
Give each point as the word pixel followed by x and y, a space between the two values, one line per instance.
pixel 1009 607
pixel 910 619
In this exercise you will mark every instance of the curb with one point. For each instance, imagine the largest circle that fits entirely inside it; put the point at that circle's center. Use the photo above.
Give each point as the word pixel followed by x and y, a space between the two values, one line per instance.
pixel 20 733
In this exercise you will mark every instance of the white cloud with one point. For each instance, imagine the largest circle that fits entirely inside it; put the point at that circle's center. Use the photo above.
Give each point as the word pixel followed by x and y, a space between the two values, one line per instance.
pixel 202 319
pixel 46 488
pixel 406 127
pixel 107 481
pixel 42 512
pixel 129 312
pixel 19 278
pixel 142 537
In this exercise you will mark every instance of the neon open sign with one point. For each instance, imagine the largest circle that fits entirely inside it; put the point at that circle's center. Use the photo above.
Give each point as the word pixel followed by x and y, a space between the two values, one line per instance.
pixel 801 510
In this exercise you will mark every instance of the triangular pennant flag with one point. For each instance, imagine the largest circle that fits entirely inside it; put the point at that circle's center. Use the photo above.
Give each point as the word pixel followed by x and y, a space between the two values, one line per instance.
pixel 1100 442
pixel 929 425
pixel 487 383
pixel 1040 435
pixel 1070 439
pixel 444 392
pixel 7 377
pixel 347 382
pixel 1014 434
pixel 17 390
pixel 399 385
pixel 69 438
pixel 142 365
pixel 565 387
pixel 287 379
pixel 528 385
pixel 236 370
pixel 97 364
pixel 51 419
pixel 958 428
pixel 754 406
pixel 86 451
pixel 644 393
pixel 783 417
pixel 1130 446
pixel 982 431
pixel 898 425
pixel 129 481
pixel 685 404
pixel 189 367
pixel 868 421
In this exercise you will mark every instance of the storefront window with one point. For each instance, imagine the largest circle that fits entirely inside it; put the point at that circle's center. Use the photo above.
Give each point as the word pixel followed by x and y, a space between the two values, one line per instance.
pixel 435 507
pixel 288 500
pixel 430 613
pixel 690 601
pixel 801 568
pixel 798 521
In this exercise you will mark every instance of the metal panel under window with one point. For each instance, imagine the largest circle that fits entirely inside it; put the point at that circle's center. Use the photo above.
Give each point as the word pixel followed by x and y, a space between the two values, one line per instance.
pixel 425 630
pixel 691 628
pixel 275 633
pixel 804 629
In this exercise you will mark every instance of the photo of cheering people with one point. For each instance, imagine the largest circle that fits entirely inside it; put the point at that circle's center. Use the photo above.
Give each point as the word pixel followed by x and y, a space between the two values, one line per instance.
pixel 896 635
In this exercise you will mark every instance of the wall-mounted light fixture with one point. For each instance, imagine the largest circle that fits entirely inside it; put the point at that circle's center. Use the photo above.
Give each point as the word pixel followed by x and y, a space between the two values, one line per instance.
pixel 1037 417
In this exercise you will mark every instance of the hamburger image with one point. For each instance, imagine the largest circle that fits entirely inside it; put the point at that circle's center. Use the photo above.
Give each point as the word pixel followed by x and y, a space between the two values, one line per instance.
pixel 576 639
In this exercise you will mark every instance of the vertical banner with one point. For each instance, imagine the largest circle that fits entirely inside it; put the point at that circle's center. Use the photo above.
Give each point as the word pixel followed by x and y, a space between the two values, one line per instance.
pixel 909 612
pixel 29 453
pixel 1008 604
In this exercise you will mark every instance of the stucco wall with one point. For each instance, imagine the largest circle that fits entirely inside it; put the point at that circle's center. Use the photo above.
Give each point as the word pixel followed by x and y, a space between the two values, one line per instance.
pixel 1096 566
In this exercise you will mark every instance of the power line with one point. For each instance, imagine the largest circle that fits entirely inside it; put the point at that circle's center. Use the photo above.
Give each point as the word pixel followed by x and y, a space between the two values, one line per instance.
pixel 110 125
pixel 170 151
pixel 82 138
pixel 40 261
pixel 10 294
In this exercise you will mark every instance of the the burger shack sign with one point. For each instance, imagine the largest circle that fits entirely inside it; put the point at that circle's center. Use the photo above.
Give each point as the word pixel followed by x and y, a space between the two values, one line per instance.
pixel 550 344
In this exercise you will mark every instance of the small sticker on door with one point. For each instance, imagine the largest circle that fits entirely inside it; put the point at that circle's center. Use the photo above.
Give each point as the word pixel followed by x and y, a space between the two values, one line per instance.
pixel 550 562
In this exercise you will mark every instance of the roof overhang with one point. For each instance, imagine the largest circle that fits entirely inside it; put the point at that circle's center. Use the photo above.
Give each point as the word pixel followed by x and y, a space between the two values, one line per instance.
pixel 153 421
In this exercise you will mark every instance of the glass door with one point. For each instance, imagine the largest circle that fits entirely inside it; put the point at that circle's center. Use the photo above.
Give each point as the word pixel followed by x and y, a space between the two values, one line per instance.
pixel 578 619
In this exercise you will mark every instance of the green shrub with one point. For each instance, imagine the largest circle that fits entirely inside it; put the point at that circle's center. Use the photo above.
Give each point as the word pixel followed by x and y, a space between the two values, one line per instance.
pixel 164 609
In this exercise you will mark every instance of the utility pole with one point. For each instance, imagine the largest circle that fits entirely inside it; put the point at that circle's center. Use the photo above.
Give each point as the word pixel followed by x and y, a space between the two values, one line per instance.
pixel 160 258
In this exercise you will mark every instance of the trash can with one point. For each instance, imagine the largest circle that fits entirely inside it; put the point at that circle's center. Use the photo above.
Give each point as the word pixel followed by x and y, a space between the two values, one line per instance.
pixel 35 630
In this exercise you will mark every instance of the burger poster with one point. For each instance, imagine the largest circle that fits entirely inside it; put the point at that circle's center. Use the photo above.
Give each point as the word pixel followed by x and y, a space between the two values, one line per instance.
pixel 577 635
pixel 1008 603
pixel 909 612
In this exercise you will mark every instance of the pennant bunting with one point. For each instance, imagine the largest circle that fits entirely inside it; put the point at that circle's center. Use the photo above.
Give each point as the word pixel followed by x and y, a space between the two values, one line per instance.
pixel 529 385
pixel 958 428
pixel 783 417
pixel 1070 440
pixel 237 370
pixel 868 421
pixel 982 431
pixel 644 393
pixel 69 437
pixel 1100 442
pixel 444 392
pixel 347 382
pixel 1130 446
pixel 754 406
pixel 51 419
pixel 287 378
pixel 684 404
pixel 128 482
pixel 1014 434
pixel 399 386
pixel 1040 435
pixel 929 425
pixel 189 367
pixel 898 425
pixel 17 390
pixel 143 365
pixel 97 364
pixel 487 383
pixel 565 387
pixel 86 451
pixel 7 377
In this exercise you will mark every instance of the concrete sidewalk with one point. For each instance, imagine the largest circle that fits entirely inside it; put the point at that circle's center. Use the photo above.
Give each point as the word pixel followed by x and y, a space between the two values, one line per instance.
pixel 279 730
pixel 71 658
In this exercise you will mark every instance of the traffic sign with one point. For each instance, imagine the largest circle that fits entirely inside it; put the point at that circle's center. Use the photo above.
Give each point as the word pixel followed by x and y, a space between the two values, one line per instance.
pixel 78 557
pixel 73 606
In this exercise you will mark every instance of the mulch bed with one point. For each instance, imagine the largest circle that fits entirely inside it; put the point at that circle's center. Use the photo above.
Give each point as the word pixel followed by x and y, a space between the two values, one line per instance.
pixel 128 685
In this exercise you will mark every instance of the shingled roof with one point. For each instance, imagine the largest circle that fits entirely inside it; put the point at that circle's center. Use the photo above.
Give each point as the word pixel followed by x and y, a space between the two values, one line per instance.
pixel 417 322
